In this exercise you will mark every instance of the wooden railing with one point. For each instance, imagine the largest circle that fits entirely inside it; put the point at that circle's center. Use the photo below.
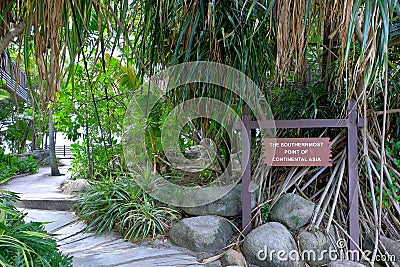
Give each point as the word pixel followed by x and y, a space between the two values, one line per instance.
pixel 14 77
pixel 63 152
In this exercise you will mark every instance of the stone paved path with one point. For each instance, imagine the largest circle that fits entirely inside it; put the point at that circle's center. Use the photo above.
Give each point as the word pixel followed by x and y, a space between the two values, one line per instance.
pixel 42 199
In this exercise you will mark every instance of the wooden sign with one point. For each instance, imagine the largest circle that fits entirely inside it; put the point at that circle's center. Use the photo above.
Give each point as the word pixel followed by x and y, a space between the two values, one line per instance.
pixel 297 152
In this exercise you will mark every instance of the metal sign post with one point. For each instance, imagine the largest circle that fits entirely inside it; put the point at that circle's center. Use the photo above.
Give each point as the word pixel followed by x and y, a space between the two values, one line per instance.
pixel 351 123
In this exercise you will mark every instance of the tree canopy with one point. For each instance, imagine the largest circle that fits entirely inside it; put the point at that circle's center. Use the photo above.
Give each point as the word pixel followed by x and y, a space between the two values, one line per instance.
pixel 85 59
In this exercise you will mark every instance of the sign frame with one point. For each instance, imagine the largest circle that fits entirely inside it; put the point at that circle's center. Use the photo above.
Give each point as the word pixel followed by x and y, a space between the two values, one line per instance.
pixel 352 123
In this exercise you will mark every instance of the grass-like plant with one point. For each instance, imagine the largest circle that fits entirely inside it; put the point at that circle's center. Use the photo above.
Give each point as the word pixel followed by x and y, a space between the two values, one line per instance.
pixel 25 244
pixel 124 206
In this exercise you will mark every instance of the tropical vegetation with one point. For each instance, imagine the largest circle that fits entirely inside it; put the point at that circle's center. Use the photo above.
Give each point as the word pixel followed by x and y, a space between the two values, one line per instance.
pixel 86 59
pixel 25 243
pixel 121 204
pixel 11 165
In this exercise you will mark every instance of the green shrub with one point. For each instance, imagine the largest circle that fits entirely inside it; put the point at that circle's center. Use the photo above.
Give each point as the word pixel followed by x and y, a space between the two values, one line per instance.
pixel 103 163
pixel 25 244
pixel 11 165
pixel 124 206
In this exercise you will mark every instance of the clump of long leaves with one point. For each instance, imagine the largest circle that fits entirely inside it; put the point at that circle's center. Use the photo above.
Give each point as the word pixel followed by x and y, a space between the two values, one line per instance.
pixel 11 165
pixel 124 206
pixel 25 244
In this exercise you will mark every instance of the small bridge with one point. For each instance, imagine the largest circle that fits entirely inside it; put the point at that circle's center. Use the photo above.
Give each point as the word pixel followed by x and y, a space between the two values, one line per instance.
pixel 14 77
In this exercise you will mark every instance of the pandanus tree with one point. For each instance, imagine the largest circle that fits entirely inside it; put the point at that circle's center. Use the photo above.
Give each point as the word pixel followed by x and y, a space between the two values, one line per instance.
pixel 37 22
pixel 309 57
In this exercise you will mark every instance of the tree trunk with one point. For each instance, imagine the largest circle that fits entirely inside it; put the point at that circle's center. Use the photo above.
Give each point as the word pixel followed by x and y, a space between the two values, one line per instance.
pixel 34 136
pixel 52 147
pixel 89 154
pixel 9 36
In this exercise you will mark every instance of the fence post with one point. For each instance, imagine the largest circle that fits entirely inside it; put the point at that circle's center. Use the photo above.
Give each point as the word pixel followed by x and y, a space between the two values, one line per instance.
pixel 246 171
pixel 353 183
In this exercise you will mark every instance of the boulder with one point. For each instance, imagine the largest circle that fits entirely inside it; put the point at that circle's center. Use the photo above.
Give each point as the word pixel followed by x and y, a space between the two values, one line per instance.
pixel 228 205
pixel 216 263
pixel 392 247
pixel 293 211
pixel 41 156
pixel 271 245
pixel 202 233
pixel 343 263
pixel 317 248
pixel 233 258
pixel 45 161
pixel 74 187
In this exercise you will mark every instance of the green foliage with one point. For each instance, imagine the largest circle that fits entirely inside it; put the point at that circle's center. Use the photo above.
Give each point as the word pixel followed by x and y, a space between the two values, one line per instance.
pixel 96 104
pixel 391 189
pixel 265 211
pixel 393 151
pixel 123 205
pixel 11 165
pixel 387 193
pixel 103 163
pixel 3 94
pixel 25 244
pixel 15 125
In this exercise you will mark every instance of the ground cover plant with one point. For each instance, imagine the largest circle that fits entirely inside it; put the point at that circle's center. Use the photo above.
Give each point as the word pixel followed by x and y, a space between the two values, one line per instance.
pixel 122 205
pixel 11 165
pixel 25 244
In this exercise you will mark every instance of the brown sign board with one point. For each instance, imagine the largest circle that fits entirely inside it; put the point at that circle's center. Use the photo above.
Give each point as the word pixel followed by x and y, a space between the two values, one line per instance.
pixel 297 152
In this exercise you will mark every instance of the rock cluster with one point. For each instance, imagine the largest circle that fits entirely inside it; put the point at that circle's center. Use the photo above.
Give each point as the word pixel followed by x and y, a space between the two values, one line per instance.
pixel 284 241
pixel 274 243
pixel 41 156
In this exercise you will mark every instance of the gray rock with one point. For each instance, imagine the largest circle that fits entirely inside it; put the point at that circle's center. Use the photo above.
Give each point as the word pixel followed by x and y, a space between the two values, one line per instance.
pixel 292 210
pixel 74 187
pixel 216 263
pixel 39 155
pixel 392 247
pixel 233 258
pixel 271 245
pixel 342 263
pixel 202 233
pixel 228 205
pixel 317 248
pixel 45 162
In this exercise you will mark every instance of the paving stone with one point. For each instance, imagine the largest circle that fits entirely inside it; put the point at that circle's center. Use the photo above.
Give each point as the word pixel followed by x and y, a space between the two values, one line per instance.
pixel 88 250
